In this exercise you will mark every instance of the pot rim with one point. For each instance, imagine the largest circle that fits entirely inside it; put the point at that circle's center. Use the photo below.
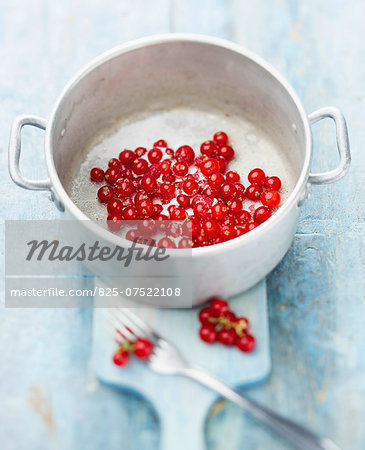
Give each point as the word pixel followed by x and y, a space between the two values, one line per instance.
pixel 160 39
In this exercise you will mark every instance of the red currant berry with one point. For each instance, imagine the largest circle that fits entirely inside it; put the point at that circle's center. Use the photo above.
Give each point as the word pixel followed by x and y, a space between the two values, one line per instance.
pixel 180 169
pixel 209 148
pixel 227 232
pixel 145 207
pixel 149 183
pixel 240 191
pixel 272 183
pixel 160 143
pixel 261 214
pixel 227 191
pixel 253 192
pixel 232 177
pixel 127 173
pixel 185 153
pixel 230 220
pixel 185 243
pixel 114 221
pixel 231 317
pixel 216 180
pixel 170 152
pixel 240 231
pixel 114 163
pixel 256 176
pixel 140 196
pixel 210 192
pixel 96 174
pixel 244 217
pixel 205 315
pixel 242 324
pixel 130 213
pixel 121 358
pixel 190 186
pixel 235 207
pixel 183 200
pixel 178 213
pixel 211 228
pixel 220 138
pixel 126 157
pixel 227 337
pixel 169 178
pixel 246 343
pixel 112 175
pixel 218 306
pixel 201 210
pixel 251 226
pixel 227 152
pixel 115 206
pixel 220 211
pixel 222 164
pixel 166 243
pixel 132 235
pixel 157 209
pixel 143 348
pixel 105 193
pixel 208 334
pixel 140 151
pixel 155 156
pixel 209 166
pixel 140 166
pixel 124 187
pixel 165 166
pixel 167 190
pixel 270 198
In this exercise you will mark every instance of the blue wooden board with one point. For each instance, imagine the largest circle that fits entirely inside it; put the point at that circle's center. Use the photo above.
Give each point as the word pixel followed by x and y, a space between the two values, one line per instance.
pixel 182 405
pixel 49 398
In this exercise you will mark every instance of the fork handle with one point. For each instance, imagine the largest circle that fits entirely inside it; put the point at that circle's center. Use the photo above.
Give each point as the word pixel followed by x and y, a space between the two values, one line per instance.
pixel 298 436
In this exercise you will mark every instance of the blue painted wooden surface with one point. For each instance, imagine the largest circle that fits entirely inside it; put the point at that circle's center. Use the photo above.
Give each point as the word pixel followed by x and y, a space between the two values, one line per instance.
pixel 48 396
pixel 182 405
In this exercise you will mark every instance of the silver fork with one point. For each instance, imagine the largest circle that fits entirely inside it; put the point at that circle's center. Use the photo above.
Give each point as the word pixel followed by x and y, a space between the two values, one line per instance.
pixel 167 360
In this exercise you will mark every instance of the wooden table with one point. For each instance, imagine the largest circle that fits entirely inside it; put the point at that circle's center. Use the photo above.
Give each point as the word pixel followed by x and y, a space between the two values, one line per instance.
pixel 48 395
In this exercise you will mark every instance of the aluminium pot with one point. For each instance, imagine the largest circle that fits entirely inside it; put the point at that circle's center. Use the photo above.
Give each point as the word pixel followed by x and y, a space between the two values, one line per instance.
pixel 164 70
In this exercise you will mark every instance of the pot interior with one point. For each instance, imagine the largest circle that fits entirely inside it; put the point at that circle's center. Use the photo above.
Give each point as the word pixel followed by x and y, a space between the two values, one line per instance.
pixel 182 91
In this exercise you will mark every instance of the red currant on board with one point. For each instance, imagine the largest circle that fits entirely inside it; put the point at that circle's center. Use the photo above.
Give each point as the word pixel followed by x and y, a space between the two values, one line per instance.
pixel 205 315
pixel 272 183
pixel 218 306
pixel 142 348
pixel 220 138
pixel 96 174
pixel 261 214
pixel 227 337
pixel 256 176
pixel 208 334
pixel 246 343
pixel 270 198
pixel 105 193
pixel 253 192
pixel 121 358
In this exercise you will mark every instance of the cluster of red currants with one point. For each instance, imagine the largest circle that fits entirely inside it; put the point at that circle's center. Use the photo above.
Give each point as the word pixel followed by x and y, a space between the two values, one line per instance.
pixel 141 348
pixel 198 190
pixel 222 325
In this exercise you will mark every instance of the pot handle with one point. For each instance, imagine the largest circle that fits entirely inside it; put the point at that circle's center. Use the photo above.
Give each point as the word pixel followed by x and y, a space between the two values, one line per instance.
pixel 15 150
pixel 343 146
